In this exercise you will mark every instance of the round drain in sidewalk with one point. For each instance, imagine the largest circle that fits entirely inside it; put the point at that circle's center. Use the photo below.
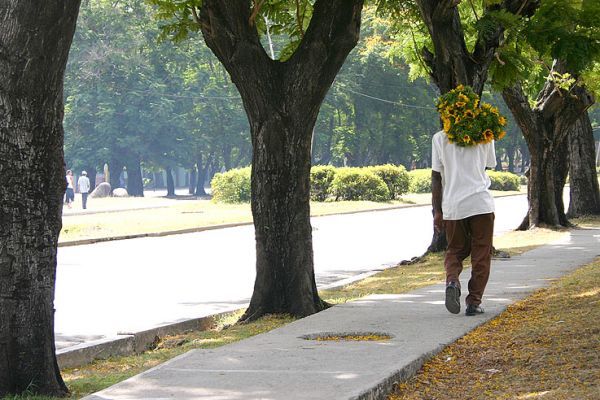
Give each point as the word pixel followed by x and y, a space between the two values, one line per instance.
pixel 348 336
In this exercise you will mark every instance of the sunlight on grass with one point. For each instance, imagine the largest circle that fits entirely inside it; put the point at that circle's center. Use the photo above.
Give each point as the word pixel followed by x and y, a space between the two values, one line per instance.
pixel 534 395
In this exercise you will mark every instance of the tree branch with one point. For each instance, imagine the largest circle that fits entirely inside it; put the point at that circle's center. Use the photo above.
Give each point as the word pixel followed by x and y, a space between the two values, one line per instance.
pixel 300 18
pixel 255 10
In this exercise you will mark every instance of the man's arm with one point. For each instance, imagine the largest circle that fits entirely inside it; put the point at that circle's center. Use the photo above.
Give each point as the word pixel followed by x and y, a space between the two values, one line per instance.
pixel 436 200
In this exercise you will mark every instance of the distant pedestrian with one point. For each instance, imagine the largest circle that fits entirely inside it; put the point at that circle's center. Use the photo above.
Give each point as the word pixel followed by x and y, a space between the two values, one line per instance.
pixel 83 183
pixel 70 193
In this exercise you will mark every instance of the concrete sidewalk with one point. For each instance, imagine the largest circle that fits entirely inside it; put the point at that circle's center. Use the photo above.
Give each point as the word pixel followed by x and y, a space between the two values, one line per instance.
pixel 283 364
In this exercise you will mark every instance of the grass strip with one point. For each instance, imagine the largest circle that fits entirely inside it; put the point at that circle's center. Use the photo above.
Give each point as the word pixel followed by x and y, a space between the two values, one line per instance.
pixel 104 218
pixel 543 347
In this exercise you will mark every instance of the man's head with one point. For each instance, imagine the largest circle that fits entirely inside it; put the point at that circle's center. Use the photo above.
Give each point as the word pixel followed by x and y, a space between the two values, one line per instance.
pixel 83 173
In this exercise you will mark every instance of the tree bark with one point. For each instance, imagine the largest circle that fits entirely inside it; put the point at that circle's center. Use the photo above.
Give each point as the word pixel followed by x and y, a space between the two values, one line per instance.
pixel 202 174
pixel 170 182
pixel 116 169
pixel 193 180
pixel 584 192
pixel 135 184
pixel 282 101
pixel 35 38
pixel 545 128
pixel 91 171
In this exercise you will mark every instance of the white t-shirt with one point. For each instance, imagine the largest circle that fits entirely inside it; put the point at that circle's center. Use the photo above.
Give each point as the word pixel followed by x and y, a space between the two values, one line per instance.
pixel 464 180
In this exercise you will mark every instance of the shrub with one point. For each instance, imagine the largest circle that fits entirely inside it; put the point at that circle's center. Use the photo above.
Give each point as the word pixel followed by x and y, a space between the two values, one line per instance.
pixel 420 181
pixel 504 180
pixel 232 186
pixel 523 179
pixel 321 177
pixel 359 184
pixel 395 177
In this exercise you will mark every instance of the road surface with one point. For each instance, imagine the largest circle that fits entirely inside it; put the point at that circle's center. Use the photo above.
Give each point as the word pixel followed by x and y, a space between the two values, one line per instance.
pixel 131 285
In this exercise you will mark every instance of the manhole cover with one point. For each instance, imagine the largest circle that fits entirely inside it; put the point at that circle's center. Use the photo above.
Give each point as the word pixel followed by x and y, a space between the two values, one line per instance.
pixel 348 336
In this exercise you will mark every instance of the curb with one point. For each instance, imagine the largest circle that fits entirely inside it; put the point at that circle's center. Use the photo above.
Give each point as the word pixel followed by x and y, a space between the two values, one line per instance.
pixel 126 343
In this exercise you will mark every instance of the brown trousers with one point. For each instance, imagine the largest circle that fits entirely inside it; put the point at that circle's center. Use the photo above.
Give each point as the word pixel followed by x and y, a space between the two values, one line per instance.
pixel 470 236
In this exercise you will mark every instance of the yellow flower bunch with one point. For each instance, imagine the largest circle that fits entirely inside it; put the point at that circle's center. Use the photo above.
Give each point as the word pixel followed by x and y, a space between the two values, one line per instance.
pixel 466 121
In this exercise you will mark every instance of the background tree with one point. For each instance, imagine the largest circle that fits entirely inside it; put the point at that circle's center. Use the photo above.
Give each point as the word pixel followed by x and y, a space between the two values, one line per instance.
pixel 34 44
pixel 568 33
pixel 454 43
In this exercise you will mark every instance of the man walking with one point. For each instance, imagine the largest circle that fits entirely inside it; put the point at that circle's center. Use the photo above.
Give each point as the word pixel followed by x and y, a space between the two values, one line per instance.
pixel 463 204
pixel 83 183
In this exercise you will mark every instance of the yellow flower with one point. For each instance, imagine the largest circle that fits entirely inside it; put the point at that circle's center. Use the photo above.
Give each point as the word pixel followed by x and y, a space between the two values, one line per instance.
pixel 460 104
pixel 447 124
pixel 467 139
pixel 502 121
pixel 469 114
pixel 494 111
pixel 476 103
pixel 463 98
pixel 488 135
pixel 460 87
pixel 501 135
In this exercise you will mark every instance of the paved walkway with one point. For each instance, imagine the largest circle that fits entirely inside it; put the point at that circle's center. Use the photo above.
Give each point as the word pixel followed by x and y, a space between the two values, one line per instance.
pixel 282 364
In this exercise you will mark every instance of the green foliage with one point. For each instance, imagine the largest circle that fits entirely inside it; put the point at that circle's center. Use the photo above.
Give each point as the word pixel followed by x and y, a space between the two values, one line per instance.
pixel 395 177
pixel 286 19
pixel 321 177
pixel 232 186
pixel 504 181
pixel 359 184
pixel 129 97
pixel 420 181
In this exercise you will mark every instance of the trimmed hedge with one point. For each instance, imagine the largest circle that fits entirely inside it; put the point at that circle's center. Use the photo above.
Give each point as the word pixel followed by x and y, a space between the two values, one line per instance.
pixel 359 184
pixel 395 177
pixel 504 181
pixel 321 177
pixel 232 186
pixel 420 181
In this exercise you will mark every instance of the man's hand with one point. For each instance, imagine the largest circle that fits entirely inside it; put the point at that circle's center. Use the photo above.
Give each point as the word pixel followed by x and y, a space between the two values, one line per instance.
pixel 436 201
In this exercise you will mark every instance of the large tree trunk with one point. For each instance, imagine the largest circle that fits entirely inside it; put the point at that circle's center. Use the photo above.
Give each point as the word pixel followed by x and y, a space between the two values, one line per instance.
pixel 135 183
pixel 545 128
pixel 282 101
pixel 35 38
pixel 584 192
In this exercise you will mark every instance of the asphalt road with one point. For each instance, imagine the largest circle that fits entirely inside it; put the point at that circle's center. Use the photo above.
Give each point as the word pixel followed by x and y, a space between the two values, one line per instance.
pixel 130 285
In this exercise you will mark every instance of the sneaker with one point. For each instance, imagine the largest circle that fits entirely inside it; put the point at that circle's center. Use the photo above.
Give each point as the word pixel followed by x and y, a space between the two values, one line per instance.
pixel 453 298
pixel 473 309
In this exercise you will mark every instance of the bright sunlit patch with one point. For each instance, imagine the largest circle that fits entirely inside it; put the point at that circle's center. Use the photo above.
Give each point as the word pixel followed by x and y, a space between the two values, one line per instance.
pixel 589 293
pixel 534 395
pixel 346 376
